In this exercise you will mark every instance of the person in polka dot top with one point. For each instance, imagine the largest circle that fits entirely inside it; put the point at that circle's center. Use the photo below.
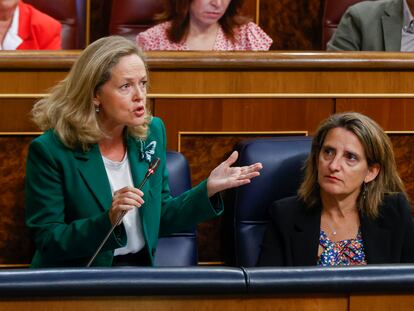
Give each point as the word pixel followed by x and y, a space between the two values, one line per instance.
pixel 351 208
pixel 204 25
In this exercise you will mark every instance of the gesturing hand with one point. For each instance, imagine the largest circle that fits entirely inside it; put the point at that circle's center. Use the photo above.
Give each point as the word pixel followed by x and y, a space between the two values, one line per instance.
pixel 225 177
pixel 124 200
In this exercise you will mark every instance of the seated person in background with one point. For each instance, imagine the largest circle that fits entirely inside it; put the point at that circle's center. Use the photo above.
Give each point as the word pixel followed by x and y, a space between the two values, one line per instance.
pixel 204 25
pixel 83 172
pixel 386 25
pixel 352 208
pixel 22 27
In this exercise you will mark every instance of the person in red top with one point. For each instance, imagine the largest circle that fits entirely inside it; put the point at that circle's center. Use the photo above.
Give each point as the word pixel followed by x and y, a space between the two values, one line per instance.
pixel 22 27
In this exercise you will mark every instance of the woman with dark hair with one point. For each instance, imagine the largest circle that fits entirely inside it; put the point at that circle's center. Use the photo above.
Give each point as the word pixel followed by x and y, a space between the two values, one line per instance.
pixel 351 208
pixel 204 25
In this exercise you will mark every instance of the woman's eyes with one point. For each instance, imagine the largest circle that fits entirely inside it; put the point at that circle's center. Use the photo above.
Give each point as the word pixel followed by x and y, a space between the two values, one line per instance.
pixel 142 85
pixel 351 156
pixel 328 151
pixel 125 86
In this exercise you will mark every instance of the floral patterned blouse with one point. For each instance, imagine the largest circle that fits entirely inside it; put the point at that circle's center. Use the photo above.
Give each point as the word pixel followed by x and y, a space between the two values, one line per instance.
pixel 341 253
pixel 249 37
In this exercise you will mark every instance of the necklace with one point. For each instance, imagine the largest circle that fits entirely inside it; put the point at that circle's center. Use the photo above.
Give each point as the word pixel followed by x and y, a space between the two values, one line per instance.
pixel 332 229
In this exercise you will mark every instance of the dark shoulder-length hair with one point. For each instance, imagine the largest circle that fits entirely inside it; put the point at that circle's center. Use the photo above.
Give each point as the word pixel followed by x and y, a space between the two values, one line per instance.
pixel 177 12
pixel 378 150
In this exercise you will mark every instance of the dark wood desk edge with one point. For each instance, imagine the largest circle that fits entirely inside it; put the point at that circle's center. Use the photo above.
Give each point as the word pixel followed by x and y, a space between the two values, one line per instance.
pixel 245 61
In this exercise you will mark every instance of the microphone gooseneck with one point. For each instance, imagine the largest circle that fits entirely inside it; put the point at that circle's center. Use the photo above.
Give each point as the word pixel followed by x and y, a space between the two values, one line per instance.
pixel 151 170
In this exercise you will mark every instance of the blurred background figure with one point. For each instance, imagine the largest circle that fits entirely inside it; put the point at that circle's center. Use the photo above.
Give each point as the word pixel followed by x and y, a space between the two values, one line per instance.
pixel 22 27
pixel 204 25
pixel 351 208
pixel 376 26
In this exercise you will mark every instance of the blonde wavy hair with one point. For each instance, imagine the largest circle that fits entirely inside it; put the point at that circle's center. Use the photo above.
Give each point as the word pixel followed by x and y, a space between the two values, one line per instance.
pixel 69 109
pixel 378 150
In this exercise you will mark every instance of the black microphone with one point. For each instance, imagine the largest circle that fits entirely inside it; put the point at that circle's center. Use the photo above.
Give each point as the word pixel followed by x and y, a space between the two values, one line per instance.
pixel 151 170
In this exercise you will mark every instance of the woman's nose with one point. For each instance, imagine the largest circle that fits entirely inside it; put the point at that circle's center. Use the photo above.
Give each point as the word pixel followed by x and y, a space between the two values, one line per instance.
pixel 139 92
pixel 216 3
pixel 334 164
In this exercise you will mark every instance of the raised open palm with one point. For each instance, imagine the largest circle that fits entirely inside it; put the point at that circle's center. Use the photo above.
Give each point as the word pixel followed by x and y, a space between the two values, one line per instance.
pixel 225 176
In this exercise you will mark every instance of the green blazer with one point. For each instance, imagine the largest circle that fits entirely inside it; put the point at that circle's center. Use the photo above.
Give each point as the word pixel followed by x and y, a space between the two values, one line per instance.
pixel 370 26
pixel 68 197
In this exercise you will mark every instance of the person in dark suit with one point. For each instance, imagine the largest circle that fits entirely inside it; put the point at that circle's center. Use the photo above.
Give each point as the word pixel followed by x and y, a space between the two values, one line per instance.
pixel 351 208
pixel 84 171
pixel 386 25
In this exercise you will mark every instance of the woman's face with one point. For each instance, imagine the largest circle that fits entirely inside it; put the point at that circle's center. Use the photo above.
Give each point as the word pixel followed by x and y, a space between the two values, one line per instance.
pixel 342 165
pixel 121 99
pixel 207 12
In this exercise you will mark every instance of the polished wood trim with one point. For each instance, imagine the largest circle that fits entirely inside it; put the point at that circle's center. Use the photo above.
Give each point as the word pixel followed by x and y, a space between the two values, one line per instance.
pixel 400 132
pixel 14 266
pixel 320 302
pixel 305 133
pixel 21 96
pixel 88 22
pixel 270 60
pixel 237 60
pixel 31 60
pixel 257 12
pixel 387 302
pixel 241 95
pixel 20 133
pixel 211 263
pixel 282 95
pixel 248 133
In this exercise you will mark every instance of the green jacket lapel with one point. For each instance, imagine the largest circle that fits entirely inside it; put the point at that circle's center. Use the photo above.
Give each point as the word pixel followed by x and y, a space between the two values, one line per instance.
pixel 138 167
pixel 392 25
pixel 138 170
pixel 92 170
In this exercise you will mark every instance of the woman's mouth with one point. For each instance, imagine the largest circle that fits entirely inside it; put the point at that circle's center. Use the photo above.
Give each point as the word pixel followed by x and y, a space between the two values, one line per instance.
pixel 214 15
pixel 139 111
pixel 332 178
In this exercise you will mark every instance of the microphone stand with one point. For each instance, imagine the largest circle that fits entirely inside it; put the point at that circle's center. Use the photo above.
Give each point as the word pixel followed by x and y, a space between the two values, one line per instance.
pixel 151 170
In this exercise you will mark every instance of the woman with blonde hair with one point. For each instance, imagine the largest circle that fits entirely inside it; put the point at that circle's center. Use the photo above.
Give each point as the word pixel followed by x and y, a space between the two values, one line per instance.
pixel 351 208
pixel 83 174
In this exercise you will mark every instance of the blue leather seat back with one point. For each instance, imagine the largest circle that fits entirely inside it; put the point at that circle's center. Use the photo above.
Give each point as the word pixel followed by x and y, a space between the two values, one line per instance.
pixel 178 249
pixel 282 159
pixel 179 173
